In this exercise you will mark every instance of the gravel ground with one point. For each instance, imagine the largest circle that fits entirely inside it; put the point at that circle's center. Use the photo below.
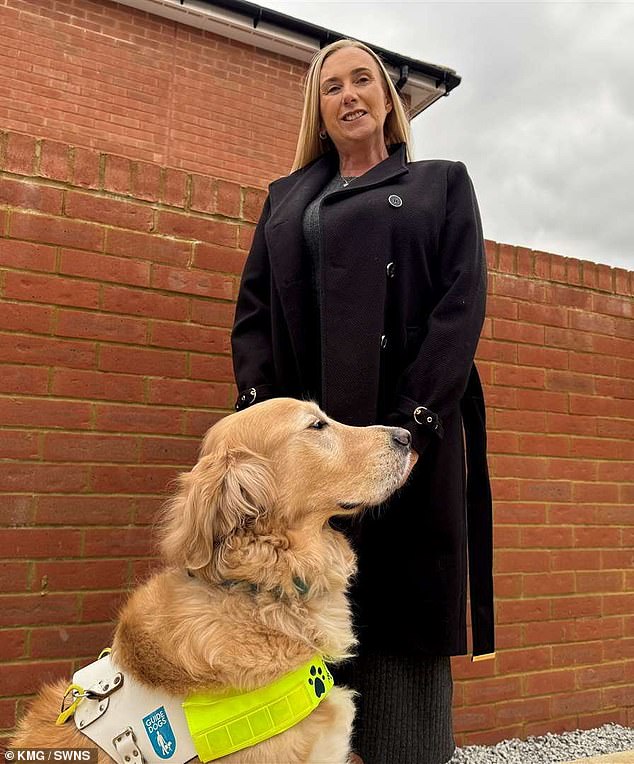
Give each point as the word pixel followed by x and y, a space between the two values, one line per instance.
pixel 546 749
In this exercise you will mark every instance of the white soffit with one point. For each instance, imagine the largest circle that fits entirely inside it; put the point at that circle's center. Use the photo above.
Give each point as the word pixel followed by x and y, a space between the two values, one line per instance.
pixel 422 91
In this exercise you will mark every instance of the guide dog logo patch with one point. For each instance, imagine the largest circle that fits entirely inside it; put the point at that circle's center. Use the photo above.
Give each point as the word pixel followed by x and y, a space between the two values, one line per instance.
pixel 160 732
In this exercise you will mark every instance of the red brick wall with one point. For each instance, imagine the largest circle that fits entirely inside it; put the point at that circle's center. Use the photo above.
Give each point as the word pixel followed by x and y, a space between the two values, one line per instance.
pixel 120 253
pixel 108 76
pixel 116 298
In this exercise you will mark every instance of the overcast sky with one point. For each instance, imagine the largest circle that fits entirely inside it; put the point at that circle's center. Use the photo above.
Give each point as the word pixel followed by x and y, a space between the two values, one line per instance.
pixel 543 117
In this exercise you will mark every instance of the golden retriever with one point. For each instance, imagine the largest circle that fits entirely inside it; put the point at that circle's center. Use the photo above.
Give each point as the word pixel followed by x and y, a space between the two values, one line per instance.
pixel 254 512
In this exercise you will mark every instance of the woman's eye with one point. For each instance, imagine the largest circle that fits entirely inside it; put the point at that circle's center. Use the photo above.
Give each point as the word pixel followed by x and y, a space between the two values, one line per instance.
pixel 319 424
pixel 332 89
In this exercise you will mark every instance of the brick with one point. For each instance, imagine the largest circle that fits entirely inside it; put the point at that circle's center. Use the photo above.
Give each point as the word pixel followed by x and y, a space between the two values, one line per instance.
pixel 197 228
pixel 527 659
pixel 13 644
pixel 17 509
pixel 537 584
pixel 26 380
pixel 15 576
pixel 25 678
pixel 212 313
pixel 174 187
pixel 139 419
pixel 117 174
pixel 41 477
pixel 190 337
pixel 143 361
pixel 117 542
pixel 522 561
pixel 30 349
pixel 83 510
pixel 197 422
pixel 548 358
pixel 203 192
pixel 600 676
pixel 192 282
pixel 27 256
pixel 86 168
pixel 189 393
pixel 600 628
pixel 245 237
pixel 576 607
pixel 522 611
pixel 146 181
pixel 252 203
pixel 19 156
pixel 617 604
pixel 549 633
pixel 569 382
pixel 101 606
pixel 220 259
pixel 542 400
pixel 70 641
pixel 475 718
pixel 227 199
pixel 33 609
pixel 144 303
pixel 104 267
pixel 101 326
pixel 54 160
pixel 550 315
pixel 549 683
pixel 522 710
pixel 19 317
pixel 588 700
pixel 54 230
pixel 144 246
pixel 30 412
pixel 517 332
pixel 8 716
pixel 178 451
pixel 37 543
pixel 30 195
pixel 80 447
pixel 519 288
pixel 520 376
pixel 103 209
pixel 55 290
pixel 577 654
pixel 612 305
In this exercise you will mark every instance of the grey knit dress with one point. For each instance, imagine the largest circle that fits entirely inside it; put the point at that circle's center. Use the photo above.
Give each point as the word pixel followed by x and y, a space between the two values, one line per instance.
pixel 404 702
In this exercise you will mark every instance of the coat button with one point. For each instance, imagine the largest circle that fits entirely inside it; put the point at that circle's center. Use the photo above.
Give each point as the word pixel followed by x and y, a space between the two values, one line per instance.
pixel 390 270
pixel 395 200
pixel 383 342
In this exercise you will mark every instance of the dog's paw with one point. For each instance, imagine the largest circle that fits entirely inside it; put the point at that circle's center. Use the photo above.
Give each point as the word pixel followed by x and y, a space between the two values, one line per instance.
pixel 316 680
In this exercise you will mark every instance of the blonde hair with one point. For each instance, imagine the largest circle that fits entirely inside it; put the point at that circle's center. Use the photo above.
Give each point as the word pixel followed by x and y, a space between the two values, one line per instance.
pixel 309 144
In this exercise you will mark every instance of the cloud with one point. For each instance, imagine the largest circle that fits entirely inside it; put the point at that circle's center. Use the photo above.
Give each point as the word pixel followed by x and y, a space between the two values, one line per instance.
pixel 544 116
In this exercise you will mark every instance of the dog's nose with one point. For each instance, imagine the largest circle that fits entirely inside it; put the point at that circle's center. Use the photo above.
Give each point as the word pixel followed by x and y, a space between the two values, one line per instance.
pixel 401 437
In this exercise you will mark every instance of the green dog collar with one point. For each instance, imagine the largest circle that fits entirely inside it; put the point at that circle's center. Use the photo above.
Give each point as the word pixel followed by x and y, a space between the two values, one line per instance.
pixel 221 723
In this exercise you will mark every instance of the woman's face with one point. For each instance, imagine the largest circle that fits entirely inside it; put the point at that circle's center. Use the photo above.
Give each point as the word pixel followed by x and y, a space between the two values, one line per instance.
pixel 352 101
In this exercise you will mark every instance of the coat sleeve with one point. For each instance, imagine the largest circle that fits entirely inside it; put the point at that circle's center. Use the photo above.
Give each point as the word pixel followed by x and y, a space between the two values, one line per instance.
pixel 251 339
pixel 435 381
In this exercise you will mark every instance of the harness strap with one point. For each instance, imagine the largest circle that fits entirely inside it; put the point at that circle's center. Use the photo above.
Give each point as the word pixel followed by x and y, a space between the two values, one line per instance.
pixel 127 748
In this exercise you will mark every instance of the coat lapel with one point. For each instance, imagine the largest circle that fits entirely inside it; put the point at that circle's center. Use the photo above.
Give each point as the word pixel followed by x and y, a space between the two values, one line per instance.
pixel 290 264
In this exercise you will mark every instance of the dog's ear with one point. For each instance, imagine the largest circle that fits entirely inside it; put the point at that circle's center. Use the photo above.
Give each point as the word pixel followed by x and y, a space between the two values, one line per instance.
pixel 227 490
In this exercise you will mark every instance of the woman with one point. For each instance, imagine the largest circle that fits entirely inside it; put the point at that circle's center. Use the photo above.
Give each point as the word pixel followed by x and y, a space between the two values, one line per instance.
pixel 365 289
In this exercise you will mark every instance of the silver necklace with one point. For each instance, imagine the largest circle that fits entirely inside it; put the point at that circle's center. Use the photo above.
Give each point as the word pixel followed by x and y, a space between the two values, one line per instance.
pixel 348 180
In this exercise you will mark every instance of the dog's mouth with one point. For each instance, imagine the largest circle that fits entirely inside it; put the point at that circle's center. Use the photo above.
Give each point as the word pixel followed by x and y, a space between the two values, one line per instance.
pixel 398 482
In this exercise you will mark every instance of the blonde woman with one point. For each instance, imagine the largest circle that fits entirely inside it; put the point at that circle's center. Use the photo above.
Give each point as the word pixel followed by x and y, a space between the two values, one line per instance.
pixel 365 290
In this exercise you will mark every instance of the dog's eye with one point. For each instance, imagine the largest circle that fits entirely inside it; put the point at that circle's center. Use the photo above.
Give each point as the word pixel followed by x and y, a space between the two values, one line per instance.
pixel 318 424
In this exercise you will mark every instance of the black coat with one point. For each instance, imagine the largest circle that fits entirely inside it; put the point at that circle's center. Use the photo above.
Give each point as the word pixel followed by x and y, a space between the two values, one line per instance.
pixel 403 287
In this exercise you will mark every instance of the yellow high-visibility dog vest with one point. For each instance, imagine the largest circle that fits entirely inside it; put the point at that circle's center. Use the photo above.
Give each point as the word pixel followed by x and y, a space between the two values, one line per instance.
pixel 125 717
pixel 224 722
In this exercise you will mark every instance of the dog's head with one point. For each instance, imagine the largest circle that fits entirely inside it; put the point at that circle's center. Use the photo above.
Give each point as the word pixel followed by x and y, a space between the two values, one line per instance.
pixel 276 471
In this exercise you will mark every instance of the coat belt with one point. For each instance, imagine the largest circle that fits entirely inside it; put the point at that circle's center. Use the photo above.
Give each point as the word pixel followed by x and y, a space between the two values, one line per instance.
pixel 479 518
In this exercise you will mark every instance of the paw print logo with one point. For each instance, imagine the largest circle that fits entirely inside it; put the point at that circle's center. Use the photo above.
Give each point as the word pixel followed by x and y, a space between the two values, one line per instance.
pixel 316 680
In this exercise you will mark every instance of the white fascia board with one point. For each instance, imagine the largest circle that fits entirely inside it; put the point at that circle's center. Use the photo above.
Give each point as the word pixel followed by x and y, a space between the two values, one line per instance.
pixel 421 90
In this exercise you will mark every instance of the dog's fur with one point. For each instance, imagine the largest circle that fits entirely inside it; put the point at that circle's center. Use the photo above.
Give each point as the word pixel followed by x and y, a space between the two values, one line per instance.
pixel 248 523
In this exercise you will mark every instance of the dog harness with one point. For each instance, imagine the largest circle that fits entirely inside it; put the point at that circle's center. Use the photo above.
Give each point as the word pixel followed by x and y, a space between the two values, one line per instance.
pixel 136 724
